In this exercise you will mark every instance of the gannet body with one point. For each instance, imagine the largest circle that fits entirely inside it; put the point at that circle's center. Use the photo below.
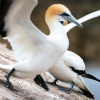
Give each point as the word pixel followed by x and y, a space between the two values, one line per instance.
pixel 70 68
pixel 35 51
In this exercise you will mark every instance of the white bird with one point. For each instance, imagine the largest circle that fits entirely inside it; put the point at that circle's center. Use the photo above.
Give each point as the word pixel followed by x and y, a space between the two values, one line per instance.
pixel 70 68
pixel 36 51
pixel 71 25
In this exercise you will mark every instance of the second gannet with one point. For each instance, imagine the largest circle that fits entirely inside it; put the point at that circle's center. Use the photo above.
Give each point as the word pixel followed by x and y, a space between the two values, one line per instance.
pixel 36 52
pixel 70 68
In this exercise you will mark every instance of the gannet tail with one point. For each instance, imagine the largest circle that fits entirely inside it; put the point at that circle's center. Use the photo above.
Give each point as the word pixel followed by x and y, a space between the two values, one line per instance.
pixel 87 92
pixel 82 86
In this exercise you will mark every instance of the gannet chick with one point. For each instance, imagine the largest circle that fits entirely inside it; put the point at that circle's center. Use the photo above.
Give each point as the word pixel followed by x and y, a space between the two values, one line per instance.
pixel 36 52
pixel 70 68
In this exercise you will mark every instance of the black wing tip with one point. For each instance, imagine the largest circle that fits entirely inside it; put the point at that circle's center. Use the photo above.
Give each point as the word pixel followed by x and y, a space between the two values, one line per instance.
pixel 79 72
pixel 89 76
pixel 40 81
pixel 88 94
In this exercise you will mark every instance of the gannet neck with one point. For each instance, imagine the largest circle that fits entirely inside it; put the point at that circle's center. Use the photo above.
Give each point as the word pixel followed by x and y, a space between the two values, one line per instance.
pixel 55 26
pixel 19 11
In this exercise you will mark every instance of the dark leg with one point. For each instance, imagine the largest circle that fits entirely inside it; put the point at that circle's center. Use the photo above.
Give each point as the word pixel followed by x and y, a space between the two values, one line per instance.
pixel 71 89
pixel 53 83
pixel 9 84
pixel 40 81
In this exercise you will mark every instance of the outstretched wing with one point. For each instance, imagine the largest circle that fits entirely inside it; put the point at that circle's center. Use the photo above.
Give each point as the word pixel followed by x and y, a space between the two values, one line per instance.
pixel 83 19
pixel 74 62
pixel 16 26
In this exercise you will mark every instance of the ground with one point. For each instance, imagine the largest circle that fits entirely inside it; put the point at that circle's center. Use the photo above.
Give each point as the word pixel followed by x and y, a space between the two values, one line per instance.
pixel 28 90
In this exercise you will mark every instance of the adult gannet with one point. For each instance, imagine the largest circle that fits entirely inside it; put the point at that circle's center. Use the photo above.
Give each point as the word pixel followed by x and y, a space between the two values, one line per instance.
pixel 70 68
pixel 36 52
pixel 71 25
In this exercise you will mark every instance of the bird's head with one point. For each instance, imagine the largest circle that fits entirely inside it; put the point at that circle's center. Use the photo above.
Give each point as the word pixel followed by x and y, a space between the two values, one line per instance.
pixel 61 13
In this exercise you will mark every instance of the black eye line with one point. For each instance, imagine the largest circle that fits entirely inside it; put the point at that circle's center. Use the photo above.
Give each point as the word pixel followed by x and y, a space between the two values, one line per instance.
pixel 64 14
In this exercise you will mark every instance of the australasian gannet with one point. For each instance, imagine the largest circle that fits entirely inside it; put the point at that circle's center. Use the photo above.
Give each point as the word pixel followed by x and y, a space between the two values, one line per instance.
pixel 70 68
pixel 36 51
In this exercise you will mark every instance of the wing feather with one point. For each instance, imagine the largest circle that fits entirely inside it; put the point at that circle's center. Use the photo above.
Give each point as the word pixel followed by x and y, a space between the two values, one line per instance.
pixel 22 34
pixel 73 60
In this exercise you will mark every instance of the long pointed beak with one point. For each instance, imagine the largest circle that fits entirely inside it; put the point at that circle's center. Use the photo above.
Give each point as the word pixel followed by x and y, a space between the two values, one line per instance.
pixel 71 18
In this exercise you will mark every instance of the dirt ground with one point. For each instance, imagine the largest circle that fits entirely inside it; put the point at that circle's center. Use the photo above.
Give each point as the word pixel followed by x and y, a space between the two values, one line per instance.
pixel 28 90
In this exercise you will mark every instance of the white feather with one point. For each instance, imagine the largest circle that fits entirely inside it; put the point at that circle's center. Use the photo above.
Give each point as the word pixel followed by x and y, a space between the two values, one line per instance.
pixel 61 69
pixel 73 60
pixel 22 34
pixel 35 51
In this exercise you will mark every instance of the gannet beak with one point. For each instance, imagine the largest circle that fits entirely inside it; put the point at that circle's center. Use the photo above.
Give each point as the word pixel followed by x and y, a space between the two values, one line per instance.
pixel 71 18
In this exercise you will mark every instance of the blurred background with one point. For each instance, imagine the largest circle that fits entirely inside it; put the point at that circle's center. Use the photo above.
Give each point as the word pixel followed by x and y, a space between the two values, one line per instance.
pixel 85 42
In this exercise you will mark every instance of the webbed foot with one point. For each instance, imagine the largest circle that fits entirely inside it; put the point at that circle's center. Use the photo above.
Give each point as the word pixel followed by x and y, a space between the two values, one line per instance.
pixel 40 81
pixel 53 83
pixel 71 89
pixel 8 83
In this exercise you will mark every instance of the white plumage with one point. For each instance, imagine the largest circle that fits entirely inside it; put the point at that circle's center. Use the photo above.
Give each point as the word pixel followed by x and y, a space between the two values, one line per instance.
pixel 36 52
pixel 70 68
pixel 62 70
pixel 72 59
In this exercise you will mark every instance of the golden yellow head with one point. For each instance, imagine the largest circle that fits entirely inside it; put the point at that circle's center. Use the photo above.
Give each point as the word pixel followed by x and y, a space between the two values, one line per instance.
pixel 55 9
pixel 60 12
